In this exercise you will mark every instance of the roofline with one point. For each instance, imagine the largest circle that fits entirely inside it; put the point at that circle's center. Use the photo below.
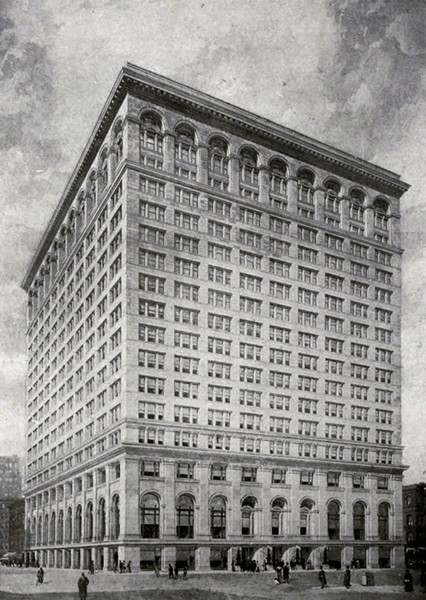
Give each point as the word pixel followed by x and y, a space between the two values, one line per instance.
pixel 133 78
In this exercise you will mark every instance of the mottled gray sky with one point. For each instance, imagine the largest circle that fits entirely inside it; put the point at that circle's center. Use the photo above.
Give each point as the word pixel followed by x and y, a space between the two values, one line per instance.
pixel 348 72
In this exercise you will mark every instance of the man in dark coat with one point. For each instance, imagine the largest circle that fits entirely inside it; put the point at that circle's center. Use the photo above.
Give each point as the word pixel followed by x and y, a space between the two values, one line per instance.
pixel 321 577
pixel 286 573
pixel 408 581
pixel 83 582
pixel 347 578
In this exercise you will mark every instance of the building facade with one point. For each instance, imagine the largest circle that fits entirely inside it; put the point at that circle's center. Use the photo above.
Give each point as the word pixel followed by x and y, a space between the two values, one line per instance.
pixel 10 491
pixel 214 345
pixel 414 516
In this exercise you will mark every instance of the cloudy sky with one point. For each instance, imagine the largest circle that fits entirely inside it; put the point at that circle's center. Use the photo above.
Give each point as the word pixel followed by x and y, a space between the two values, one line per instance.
pixel 351 73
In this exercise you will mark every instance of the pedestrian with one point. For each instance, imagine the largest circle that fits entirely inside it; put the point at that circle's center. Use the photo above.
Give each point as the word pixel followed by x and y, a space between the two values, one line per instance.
pixel 170 571
pixel 322 579
pixel 279 571
pixel 185 571
pixel 129 566
pixel 176 571
pixel 286 573
pixel 83 582
pixel 121 566
pixel 423 579
pixel 347 578
pixel 91 568
pixel 408 581
pixel 40 576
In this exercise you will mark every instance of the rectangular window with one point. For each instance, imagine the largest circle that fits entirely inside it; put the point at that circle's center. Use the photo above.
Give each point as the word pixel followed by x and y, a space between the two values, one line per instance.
pixel 219 346
pixel 216 393
pixel 186 291
pixel 186 315
pixel 279 312
pixel 219 299
pixel 250 397
pixel 334 242
pixel 279 379
pixel 147 258
pixel 151 211
pixel 186 267
pixel 150 283
pixel 279 226
pixel 334 262
pixel 307 318
pixel 219 370
pixel 250 282
pixel 184 243
pixel 219 230
pixel 219 207
pixel 250 328
pixel 222 253
pixel 307 255
pixel 279 334
pixel 186 364
pixel 334 409
pixel 279 247
pixel 252 261
pixel 278 267
pixel 151 235
pixel 250 351
pixel 186 197
pixel 183 339
pixel 250 305
pixel 249 217
pixel 186 220
pixel 219 322
pixel 219 275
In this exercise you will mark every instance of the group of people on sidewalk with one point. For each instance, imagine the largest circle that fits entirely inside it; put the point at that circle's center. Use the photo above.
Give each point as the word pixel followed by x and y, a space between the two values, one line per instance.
pixel 174 572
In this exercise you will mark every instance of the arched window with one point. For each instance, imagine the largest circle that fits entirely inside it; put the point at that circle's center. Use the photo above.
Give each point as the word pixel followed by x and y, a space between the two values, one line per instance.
pixel 332 200
pixel 356 205
pixel 218 518
pixel 118 143
pixel 185 517
pixel 89 522
pixel 91 192
pixel 60 534
pixel 151 136
pixel 383 518
pixel 115 517
pixel 359 521
pixel 185 148
pixel 278 177
pixel 248 507
pixel 249 172
pixel 380 214
pixel 104 169
pixel 52 531
pixel 305 517
pixel 306 186
pixel 78 523
pixel 150 517
pixel 68 525
pixel 277 516
pixel 333 520
pixel 218 156
pixel 101 519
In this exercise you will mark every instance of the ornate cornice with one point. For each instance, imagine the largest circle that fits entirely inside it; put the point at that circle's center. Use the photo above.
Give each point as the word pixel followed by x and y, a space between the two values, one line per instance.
pixel 142 83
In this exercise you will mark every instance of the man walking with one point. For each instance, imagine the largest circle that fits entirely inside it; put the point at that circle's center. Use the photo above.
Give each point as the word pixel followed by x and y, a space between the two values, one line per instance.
pixel 321 577
pixel 347 578
pixel 83 582
pixel 286 573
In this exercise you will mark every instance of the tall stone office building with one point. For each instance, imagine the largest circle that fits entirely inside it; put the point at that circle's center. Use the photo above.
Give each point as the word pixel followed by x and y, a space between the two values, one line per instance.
pixel 214 345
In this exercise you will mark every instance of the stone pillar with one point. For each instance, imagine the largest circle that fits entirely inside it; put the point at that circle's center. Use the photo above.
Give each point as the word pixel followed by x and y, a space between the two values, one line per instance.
pixel 398 557
pixel 129 498
pixel 202 163
pixel 202 558
pixel 347 556
pixel 202 531
pixel 344 213
pixel 168 510
pixel 234 174
pixel 394 225
pixel 369 221
pixel 372 557
pixel 131 139
pixel 132 554
pixel 292 195
pixel 264 184
pixel 319 196
pixel 169 151
pixel 168 556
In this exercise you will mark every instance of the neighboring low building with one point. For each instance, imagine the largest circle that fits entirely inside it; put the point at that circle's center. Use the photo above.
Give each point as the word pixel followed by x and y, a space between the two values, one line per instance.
pixel 10 477
pixel 414 511
pixel 17 526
